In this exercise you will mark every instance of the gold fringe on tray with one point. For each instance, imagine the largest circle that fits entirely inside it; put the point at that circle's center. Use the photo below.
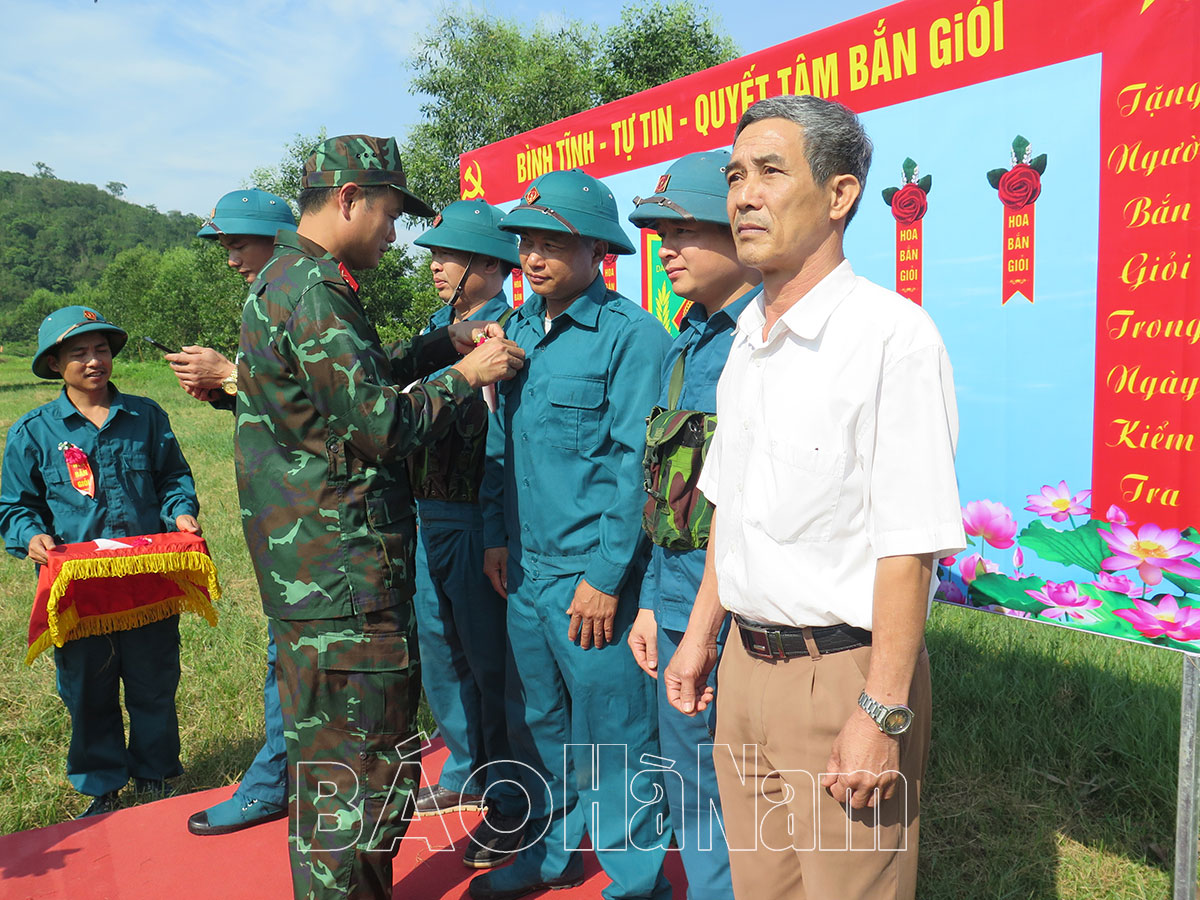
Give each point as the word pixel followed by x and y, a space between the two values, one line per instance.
pixel 184 569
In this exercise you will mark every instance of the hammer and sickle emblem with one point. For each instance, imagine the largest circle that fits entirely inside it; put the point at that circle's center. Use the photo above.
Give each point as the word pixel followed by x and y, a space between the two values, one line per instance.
pixel 473 176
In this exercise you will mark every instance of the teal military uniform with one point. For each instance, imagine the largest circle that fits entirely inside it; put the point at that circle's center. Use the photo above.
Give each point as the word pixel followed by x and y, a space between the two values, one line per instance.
pixel 563 492
pixel 323 426
pixel 460 617
pixel 263 788
pixel 694 189
pixel 142 484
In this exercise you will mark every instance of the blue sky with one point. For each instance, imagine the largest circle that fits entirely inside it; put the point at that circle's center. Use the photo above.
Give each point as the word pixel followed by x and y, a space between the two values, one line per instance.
pixel 181 100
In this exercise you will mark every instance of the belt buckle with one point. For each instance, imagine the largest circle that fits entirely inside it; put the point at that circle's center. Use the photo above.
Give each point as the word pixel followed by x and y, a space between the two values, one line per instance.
pixel 766 642
pixel 775 647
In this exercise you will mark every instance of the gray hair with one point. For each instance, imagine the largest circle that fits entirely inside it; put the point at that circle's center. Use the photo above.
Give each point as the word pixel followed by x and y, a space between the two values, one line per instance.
pixel 834 140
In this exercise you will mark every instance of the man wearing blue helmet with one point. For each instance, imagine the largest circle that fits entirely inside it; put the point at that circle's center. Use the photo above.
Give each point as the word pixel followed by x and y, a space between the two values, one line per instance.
pixel 687 210
pixel 562 509
pixel 460 620
pixel 245 223
pixel 98 463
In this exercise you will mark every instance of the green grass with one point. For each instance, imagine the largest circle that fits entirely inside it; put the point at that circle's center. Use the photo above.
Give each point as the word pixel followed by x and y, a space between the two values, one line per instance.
pixel 1052 772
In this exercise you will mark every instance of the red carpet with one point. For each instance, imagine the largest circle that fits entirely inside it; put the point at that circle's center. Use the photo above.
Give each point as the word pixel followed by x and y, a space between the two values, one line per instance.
pixel 146 853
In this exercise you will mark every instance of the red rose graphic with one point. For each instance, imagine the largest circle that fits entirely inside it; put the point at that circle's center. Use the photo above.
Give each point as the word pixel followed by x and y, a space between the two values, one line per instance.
pixel 1020 186
pixel 909 204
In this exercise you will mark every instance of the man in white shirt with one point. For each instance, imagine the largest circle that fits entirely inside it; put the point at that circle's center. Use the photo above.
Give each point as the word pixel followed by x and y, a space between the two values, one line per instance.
pixel 832 472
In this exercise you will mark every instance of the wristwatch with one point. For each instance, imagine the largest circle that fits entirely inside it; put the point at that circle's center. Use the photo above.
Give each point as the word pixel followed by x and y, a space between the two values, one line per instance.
pixel 892 720
pixel 229 383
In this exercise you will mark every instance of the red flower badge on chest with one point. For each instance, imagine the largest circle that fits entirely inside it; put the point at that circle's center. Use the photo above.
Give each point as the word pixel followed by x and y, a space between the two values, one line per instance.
pixel 79 468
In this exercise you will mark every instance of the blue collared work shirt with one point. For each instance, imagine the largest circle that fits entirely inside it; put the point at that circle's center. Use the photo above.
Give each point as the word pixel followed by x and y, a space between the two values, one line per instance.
pixel 563 483
pixel 142 482
pixel 673 576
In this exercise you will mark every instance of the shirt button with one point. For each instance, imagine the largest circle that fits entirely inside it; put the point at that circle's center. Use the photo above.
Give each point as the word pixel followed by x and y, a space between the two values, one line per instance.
pixel 525 481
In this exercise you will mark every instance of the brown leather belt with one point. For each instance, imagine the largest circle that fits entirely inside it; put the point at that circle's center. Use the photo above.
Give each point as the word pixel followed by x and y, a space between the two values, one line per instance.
pixel 784 642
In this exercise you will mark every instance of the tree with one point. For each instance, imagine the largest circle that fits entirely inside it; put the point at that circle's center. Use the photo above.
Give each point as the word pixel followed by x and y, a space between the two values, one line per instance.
pixel 658 42
pixel 41 170
pixel 283 179
pixel 489 78
pixel 116 188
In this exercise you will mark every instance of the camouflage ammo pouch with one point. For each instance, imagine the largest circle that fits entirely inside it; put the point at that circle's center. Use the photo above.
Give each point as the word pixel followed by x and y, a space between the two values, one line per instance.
pixel 677 516
pixel 451 469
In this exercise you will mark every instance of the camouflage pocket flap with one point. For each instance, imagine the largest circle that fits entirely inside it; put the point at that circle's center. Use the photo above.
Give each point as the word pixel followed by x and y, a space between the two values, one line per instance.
pixel 665 426
pixel 385 508
pixel 576 391
pixel 383 653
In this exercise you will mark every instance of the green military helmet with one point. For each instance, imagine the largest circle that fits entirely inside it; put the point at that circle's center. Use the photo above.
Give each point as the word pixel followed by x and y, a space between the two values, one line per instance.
pixel 67 323
pixel 692 190
pixel 364 160
pixel 572 202
pixel 248 212
pixel 472 226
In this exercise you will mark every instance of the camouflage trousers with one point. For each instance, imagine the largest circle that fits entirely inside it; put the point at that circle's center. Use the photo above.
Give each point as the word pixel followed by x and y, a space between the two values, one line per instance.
pixel 349 694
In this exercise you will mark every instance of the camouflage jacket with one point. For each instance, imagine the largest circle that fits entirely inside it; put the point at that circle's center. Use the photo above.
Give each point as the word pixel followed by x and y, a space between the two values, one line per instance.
pixel 323 427
pixel 451 469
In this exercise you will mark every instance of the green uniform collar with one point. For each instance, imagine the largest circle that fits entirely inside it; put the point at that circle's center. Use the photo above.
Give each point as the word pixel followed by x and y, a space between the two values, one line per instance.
pixel 63 408
pixel 584 309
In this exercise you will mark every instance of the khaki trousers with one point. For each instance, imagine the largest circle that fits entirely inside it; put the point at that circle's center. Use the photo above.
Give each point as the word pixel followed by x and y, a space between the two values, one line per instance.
pixel 788 838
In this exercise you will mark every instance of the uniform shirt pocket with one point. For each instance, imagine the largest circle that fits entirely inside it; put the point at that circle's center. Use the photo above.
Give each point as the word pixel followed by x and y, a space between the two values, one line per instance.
pixel 61 496
pixel 799 493
pixel 390 522
pixel 573 420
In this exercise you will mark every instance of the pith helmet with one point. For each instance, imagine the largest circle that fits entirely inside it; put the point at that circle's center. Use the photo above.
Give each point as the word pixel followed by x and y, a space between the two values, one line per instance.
pixel 693 189
pixel 472 226
pixel 572 202
pixel 67 323
pixel 364 160
pixel 248 212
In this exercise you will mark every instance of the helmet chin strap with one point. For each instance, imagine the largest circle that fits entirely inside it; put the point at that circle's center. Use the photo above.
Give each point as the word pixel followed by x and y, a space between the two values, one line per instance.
pixel 462 282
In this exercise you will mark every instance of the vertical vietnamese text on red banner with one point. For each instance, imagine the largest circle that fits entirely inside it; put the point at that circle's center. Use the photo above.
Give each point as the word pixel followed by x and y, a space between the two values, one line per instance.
pixel 909 204
pixel 1018 186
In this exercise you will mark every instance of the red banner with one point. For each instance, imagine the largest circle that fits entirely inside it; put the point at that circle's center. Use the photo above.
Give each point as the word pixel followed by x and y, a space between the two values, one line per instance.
pixel 882 58
pixel 1017 263
pixel 908 261
pixel 1146 415
pixel 1147 412
pixel 609 271
pixel 518 288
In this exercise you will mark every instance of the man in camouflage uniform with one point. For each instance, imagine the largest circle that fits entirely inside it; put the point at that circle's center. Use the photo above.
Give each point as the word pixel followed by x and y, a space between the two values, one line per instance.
pixel 460 619
pixel 323 426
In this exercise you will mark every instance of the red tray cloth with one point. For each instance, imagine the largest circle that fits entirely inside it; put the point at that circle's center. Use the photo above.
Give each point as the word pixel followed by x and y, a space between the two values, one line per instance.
pixel 97 587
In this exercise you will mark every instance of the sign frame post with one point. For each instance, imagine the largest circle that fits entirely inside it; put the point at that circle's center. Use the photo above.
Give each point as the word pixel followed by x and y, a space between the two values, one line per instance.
pixel 1187 822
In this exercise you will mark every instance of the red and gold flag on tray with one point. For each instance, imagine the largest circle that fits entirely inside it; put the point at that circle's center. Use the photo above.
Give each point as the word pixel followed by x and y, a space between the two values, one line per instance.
pixel 107 585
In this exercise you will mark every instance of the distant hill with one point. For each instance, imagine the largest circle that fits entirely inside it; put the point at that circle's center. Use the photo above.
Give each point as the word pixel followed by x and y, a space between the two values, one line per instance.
pixel 58 234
